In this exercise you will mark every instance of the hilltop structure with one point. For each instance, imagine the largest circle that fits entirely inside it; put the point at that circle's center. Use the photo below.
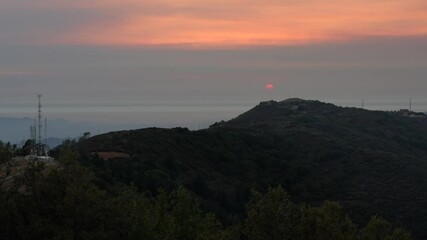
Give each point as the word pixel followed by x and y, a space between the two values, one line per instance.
pixel 39 149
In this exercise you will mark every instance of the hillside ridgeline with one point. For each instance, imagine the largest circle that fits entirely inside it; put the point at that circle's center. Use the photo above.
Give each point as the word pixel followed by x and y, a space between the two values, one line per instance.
pixel 372 162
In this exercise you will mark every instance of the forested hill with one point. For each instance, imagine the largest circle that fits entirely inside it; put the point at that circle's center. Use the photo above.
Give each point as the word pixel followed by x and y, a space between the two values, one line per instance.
pixel 372 162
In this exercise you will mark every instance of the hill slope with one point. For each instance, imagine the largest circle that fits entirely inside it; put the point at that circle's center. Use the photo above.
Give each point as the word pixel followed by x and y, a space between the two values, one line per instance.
pixel 372 162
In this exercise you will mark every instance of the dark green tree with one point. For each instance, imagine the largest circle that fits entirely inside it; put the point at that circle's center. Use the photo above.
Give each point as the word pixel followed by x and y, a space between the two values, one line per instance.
pixel 325 222
pixel 174 216
pixel 271 216
pixel 380 229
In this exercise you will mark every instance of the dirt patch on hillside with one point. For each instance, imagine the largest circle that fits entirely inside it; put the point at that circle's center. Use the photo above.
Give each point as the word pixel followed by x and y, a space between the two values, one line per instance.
pixel 111 155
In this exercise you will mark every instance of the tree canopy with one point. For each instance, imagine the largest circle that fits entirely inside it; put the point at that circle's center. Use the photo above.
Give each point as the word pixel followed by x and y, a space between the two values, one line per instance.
pixel 67 201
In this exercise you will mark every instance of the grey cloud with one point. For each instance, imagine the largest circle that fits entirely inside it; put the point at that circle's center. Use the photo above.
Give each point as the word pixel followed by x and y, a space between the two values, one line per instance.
pixel 165 74
pixel 35 26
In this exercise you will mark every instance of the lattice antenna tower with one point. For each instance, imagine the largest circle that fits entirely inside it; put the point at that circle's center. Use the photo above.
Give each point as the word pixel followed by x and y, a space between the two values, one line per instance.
pixel 40 126
pixel 45 137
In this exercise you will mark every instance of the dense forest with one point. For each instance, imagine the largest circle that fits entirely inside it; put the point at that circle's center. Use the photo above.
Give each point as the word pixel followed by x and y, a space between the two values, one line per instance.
pixel 284 170
pixel 66 201
pixel 372 162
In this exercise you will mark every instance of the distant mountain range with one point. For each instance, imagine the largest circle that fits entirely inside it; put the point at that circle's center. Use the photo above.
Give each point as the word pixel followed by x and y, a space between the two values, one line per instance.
pixel 373 162
pixel 16 130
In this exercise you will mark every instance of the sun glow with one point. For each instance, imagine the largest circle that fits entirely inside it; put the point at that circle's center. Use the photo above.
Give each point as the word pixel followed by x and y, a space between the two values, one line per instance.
pixel 269 86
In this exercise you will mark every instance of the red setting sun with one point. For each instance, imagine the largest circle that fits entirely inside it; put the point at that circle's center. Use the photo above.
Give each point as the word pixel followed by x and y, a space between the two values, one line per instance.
pixel 269 86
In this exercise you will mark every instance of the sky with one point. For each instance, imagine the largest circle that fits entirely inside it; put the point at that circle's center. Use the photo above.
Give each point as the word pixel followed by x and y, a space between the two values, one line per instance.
pixel 183 62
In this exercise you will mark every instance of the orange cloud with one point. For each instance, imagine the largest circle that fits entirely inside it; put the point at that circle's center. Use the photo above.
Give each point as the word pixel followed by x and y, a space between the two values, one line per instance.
pixel 241 22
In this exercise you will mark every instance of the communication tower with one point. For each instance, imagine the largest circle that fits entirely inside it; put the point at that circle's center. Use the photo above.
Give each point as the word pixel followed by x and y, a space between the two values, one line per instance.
pixel 40 126
pixel 39 149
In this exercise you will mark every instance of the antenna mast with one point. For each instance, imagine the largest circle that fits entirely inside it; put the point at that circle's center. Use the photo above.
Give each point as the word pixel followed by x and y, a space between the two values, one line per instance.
pixel 40 126
pixel 45 137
